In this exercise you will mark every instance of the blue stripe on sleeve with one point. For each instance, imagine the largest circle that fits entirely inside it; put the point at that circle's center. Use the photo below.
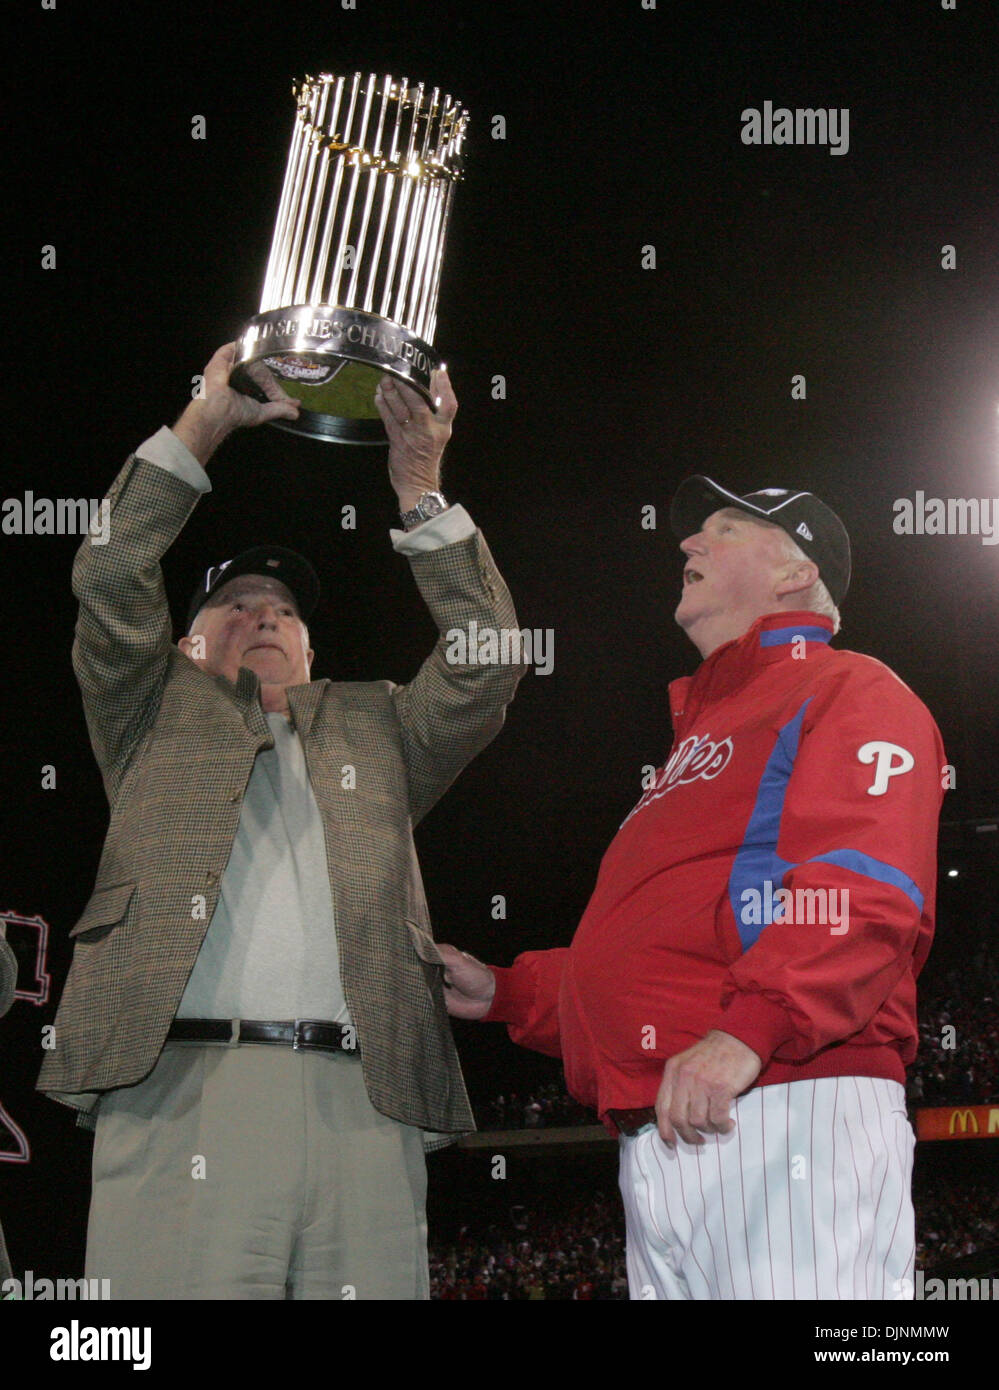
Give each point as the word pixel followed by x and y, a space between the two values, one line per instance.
pixel 871 868
pixel 757 861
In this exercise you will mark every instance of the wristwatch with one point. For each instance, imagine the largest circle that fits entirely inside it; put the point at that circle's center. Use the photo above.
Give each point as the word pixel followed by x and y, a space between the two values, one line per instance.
pixel 430 504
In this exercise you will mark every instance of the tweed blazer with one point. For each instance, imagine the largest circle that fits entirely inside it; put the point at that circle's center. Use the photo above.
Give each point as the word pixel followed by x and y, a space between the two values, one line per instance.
pixel 176 748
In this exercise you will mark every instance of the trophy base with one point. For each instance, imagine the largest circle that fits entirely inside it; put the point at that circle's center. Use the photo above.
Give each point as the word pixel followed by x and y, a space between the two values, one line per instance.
pixel 331 359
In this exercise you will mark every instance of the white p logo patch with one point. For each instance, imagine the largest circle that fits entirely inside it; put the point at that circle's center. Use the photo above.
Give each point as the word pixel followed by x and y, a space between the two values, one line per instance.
pixel 884 752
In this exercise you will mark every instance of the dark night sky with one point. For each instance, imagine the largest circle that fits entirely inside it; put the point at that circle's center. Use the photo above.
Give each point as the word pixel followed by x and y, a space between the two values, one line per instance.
pixel 623 129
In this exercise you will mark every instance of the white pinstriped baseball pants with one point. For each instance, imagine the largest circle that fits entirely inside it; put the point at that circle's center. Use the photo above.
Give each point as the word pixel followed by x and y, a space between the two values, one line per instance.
pixel 809 1197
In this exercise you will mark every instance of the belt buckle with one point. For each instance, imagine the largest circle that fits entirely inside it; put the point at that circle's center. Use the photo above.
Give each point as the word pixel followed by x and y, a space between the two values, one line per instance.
pixel 297 1041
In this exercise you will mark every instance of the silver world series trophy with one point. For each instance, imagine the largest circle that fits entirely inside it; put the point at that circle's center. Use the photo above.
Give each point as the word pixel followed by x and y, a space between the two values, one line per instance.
pixel 351 286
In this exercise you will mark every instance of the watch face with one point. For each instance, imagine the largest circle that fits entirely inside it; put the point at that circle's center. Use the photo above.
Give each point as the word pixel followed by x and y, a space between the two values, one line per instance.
pixel 430 504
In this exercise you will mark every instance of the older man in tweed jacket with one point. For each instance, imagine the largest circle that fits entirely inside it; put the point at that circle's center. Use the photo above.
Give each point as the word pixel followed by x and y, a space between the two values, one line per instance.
pixel 259 870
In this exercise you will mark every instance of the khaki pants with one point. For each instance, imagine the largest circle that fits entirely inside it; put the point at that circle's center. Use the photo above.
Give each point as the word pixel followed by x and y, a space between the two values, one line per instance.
pixel 255 1171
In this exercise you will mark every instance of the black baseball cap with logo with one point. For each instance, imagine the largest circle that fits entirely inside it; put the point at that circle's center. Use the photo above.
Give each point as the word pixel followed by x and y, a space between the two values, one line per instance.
pixel 807 520
pixel 293 570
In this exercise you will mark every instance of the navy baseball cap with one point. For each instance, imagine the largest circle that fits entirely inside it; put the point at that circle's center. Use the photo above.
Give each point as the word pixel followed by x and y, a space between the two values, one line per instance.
pixel 292 569
pixel 807 520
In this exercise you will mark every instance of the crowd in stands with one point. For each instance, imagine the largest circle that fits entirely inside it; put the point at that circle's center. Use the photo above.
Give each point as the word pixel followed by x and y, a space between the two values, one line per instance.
pixel 577 1253
pixel 542 1107
pixel 955 1216
pixel 958 1060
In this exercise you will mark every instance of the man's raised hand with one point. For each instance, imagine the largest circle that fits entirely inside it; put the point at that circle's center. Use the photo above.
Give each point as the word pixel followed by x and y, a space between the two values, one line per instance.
pixel 416 435
pixel 221 408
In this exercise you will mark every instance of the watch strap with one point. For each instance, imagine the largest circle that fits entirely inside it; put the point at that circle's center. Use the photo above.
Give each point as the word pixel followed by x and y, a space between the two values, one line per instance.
pixel 429 505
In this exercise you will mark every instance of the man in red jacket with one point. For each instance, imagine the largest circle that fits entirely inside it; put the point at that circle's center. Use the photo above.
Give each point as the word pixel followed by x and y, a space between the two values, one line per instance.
pixel 739 1002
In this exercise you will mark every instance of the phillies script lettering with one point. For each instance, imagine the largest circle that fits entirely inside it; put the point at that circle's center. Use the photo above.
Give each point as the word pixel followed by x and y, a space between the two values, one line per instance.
pixel 693 758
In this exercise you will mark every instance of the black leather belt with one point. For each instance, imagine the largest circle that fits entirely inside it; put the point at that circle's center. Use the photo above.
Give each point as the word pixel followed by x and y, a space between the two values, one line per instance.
pixel 629 1122
pixel 303 1034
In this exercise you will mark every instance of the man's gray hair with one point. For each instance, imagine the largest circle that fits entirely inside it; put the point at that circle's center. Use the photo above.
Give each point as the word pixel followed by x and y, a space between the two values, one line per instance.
pixel 817 599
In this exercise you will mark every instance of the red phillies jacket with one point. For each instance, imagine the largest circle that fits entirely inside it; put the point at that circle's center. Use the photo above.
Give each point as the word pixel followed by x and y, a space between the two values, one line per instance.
pixel 793 767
